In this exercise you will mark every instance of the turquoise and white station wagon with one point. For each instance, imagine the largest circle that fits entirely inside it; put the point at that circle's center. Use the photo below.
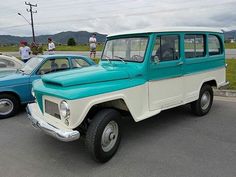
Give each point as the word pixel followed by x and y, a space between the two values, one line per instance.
pixel 142 73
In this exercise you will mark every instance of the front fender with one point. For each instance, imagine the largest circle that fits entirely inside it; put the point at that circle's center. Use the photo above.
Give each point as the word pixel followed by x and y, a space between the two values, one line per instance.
pixel 137 105
pixel 21 90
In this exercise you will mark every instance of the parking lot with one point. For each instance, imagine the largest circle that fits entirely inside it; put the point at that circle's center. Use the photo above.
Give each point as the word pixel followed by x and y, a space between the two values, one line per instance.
pixel 173 143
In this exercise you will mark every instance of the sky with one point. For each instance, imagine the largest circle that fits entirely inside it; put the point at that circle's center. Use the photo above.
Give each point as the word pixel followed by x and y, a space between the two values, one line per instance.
pixel 112 16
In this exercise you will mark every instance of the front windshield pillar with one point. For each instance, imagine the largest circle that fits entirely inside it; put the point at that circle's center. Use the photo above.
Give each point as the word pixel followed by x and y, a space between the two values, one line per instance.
pixel 128 51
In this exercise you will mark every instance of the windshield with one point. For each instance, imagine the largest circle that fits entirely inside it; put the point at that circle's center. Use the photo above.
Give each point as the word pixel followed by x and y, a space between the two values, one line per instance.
pixel 31 65
pixel 126 49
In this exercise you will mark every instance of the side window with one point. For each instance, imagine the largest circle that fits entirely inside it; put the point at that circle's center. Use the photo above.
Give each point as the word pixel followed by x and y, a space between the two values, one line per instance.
pixel 54 65
pixel 78 63
pixel 166 48
pixel 214 45
pixel 6 63
pixel 194 46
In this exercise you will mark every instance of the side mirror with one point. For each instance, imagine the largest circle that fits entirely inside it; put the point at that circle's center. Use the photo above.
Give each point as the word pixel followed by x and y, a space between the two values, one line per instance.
pixel 156 59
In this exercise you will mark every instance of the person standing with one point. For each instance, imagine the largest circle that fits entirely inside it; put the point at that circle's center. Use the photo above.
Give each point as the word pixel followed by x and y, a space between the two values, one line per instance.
pixel 24 51
pixel 92 45
pixel 51 47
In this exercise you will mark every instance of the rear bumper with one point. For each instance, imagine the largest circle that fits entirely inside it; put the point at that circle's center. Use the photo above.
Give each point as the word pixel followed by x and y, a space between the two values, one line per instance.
pixel 38 122
pixel 223 85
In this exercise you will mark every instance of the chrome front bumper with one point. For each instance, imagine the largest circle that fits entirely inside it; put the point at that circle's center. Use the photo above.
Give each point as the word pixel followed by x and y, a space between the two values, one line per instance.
pixel 63 135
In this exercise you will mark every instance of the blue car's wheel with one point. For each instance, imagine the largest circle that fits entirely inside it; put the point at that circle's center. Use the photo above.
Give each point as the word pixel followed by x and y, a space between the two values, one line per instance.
pixel 9 105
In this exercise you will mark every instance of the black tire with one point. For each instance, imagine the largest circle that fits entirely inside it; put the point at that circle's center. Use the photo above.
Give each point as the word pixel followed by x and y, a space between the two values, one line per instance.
pixel 9 99
pixel 197 108
pixel 95 133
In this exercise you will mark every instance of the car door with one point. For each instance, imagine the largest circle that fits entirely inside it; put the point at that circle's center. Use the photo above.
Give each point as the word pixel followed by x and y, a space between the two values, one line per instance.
pixel 165 73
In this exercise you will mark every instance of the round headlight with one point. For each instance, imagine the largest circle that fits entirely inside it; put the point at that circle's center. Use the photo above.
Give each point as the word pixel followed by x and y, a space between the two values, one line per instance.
pixel 32 92
pixel 64 109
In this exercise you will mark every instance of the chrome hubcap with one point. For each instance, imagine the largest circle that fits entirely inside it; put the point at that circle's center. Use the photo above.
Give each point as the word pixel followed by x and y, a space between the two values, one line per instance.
pixel 205 100
pixel 109 136
pixel 6 106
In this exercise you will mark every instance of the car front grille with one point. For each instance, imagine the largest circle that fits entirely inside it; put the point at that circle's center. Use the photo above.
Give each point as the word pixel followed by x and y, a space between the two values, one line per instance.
pixel 51 108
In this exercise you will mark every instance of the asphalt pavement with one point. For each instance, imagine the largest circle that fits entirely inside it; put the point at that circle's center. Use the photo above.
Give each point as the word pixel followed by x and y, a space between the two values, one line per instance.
pixel 174 143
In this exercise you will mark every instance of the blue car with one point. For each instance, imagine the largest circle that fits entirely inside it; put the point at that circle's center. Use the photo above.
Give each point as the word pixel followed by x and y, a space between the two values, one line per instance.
pixel 15 88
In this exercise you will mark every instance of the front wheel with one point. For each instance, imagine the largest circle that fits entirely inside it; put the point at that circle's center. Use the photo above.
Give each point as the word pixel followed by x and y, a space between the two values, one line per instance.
pixel 103 135
pixel 9 105
pixel 203 105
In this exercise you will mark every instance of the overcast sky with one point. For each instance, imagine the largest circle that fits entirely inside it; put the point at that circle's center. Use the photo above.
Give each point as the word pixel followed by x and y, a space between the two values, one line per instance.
pixel 110 16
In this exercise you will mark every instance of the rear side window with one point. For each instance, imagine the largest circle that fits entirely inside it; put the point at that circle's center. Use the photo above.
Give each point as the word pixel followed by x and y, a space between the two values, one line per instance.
pixel 166 48
pixel 194 46
pixel 53 65
pixel 214 45
pixel 78 63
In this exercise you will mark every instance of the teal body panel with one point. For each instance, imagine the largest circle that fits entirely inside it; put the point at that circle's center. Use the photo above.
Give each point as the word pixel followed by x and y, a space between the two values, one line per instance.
pixel 117 75
pixel 93 74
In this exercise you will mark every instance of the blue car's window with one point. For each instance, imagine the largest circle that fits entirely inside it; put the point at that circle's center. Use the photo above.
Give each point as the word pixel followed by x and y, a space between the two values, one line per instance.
pixel 54 65
pixel 31 65
pixel 78 63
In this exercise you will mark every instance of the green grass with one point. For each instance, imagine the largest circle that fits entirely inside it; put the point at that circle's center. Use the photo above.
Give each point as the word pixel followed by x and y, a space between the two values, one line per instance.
pixel 231 73
pixel 230 45
pixel 76 48
pixel 9 48
pixel 58 48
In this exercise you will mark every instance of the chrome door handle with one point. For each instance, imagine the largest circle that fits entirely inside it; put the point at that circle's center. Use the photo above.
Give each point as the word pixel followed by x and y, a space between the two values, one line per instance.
pixel 180 63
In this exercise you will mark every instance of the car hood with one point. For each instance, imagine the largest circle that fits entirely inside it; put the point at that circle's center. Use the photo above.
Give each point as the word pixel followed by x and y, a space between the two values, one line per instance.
pixel 87 75
pixel 6 71
pixel 13 79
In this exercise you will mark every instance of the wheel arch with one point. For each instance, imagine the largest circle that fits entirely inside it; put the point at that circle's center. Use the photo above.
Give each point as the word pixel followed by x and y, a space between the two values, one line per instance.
pixel 11 93
pixel 118 104
pixel 210 81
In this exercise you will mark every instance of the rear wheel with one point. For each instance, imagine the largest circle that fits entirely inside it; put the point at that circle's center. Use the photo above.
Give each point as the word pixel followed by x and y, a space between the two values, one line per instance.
pixel 9 105
pixel 103 135
pixel 203 105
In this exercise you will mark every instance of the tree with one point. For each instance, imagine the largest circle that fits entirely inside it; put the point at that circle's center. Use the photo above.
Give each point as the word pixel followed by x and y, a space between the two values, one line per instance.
pixel 71 42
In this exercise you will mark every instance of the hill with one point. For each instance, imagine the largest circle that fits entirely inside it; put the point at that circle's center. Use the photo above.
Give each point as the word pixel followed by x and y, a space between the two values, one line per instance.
pixel 230 35
pixel 81 37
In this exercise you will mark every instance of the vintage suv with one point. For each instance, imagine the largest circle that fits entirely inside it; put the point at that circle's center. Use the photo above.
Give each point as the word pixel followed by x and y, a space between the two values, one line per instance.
pixel 142 73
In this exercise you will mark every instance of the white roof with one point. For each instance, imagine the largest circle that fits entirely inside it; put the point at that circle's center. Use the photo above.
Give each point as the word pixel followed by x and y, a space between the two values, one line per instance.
pixel 169 29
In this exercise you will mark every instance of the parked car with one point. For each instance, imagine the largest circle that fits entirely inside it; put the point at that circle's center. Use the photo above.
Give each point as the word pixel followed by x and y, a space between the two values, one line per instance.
pixel 15 88
pixel 141 73
pixel 9 64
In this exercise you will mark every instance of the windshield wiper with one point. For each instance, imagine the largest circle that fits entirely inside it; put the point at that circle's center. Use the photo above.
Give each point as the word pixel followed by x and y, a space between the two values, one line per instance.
pixel 21 71
pixel 107 58
pixel 120 58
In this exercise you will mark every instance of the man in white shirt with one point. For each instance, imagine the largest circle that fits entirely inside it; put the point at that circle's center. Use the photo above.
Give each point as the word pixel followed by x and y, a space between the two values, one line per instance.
pixel 92 45
pixel 24 51
pixel 51 47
